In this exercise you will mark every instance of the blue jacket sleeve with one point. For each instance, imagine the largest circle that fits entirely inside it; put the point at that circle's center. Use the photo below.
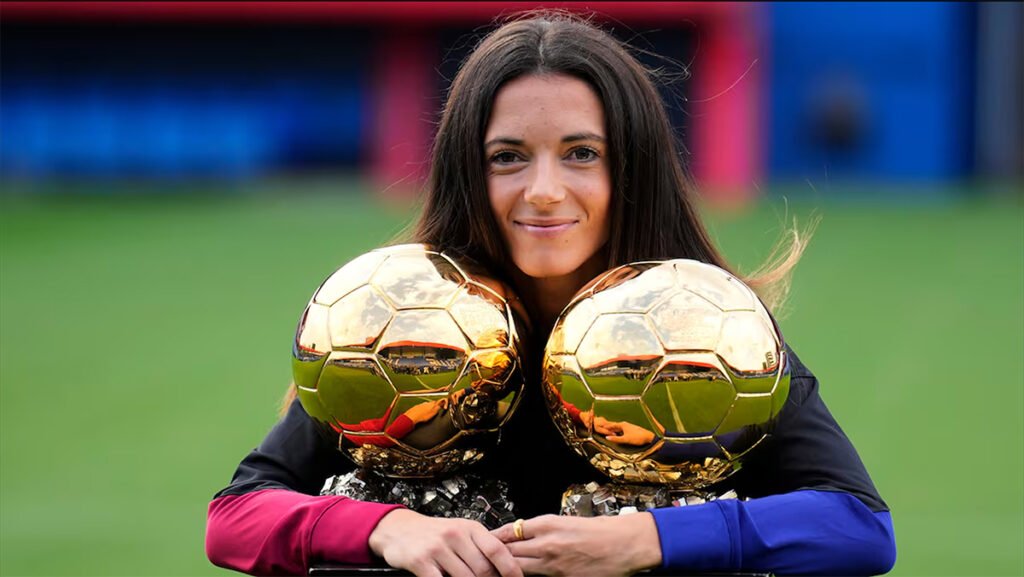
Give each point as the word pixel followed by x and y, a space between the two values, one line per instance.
pixel 803 532
pixel 813 508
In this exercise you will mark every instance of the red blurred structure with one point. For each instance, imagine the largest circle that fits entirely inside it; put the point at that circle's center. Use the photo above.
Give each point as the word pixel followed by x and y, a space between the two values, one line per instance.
pixel 723 103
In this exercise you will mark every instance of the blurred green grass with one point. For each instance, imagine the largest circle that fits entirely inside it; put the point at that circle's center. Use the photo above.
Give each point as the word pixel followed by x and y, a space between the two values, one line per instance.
pixel 144 346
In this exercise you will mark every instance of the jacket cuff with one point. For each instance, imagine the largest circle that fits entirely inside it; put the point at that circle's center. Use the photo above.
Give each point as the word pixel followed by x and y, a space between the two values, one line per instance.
pixel 696 537
pixel 342 533
pixel 402 426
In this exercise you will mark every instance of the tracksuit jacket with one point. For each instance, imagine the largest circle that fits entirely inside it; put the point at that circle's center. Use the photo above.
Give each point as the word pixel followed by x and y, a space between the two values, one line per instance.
pixel 810 505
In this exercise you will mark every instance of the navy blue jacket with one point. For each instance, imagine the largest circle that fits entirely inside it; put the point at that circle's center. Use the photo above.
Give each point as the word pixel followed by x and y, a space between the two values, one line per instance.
pixel 811 508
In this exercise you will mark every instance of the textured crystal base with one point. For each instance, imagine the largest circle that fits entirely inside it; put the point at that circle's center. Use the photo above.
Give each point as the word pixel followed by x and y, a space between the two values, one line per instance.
pixel 459 496
pixel 593 499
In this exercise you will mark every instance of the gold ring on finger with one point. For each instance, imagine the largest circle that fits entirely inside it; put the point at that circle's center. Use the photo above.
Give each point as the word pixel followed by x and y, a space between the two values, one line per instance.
pixel 517 528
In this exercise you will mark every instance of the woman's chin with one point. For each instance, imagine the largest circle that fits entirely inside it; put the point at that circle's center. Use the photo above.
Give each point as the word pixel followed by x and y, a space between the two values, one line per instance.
pixel 547 270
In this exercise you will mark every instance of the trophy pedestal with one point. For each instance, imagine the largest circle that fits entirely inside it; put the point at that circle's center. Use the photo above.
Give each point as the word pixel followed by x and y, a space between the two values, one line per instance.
pixel 369 571
pixel 609 499
pixel 595 500
pixel 459 496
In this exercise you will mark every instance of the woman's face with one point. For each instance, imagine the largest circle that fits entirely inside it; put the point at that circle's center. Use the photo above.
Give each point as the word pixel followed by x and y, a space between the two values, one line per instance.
pixel 548 175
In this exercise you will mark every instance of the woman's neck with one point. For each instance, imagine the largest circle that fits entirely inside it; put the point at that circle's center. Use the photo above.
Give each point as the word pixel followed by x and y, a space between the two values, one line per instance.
pixel 546 297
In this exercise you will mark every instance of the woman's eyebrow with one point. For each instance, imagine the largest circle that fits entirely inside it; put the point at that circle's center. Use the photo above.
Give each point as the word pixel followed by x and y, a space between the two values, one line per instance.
pixel 503 140
pixel 582 136
pixel 575 137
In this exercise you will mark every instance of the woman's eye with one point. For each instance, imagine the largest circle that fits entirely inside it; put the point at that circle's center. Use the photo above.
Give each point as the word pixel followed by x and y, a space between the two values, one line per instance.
pixel 583 154
pixel 505 157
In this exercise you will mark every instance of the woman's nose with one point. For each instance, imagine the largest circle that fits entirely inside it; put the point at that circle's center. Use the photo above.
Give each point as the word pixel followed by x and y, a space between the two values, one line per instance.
pixel 545 186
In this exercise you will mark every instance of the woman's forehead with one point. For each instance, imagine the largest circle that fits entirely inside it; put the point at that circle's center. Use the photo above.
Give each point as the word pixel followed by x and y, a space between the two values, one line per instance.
pixel 542 106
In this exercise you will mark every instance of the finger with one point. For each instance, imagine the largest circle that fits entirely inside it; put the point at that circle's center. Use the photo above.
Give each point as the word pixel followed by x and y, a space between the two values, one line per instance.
pixel 529 548
pixel 532 566
pixel 425 569
pixel 470 553
pixel 506 533
pixel 497 554
pixel 452 564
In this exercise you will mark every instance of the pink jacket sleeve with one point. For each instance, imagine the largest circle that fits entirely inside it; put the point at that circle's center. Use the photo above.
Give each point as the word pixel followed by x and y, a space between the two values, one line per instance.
pixel 277 531
pixel 270 518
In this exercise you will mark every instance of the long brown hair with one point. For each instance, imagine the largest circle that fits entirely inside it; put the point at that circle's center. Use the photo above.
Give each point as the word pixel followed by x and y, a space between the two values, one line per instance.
pixel 653 212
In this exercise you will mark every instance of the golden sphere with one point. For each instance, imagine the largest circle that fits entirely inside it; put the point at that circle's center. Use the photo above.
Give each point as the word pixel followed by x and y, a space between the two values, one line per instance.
pixel 665 372
pixel 410 360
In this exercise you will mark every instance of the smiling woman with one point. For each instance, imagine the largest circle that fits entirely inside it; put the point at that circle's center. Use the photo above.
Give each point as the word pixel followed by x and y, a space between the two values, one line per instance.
pixel 555 142
pixel 549 183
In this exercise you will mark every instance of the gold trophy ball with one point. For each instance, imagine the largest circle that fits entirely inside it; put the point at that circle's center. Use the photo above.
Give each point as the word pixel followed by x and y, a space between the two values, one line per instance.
pixel 410 360
pixel 665 372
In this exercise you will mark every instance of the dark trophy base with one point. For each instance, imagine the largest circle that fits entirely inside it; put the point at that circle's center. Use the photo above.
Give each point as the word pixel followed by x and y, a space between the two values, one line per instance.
pixel 353 571
pixel 459 496
pixel 594 500
pixel 470 497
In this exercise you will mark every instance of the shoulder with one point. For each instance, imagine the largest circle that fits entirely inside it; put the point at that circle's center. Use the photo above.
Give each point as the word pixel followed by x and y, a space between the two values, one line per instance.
pixel 294 455
pixel 807 448
pixel 802 382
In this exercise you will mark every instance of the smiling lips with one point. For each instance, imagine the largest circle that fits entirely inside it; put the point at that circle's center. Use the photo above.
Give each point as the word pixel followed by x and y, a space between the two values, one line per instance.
pixel 545 227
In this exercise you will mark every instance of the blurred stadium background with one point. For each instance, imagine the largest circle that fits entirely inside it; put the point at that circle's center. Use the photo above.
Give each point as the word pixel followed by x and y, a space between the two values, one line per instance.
pixel 176 179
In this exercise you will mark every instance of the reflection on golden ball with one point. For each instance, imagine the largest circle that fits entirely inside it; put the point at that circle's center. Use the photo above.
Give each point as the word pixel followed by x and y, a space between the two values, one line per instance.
pixel 410 360
pixel 665 372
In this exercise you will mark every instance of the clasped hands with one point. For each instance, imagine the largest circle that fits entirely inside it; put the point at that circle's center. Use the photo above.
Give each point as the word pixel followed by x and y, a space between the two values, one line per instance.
pixel 550 545
pixel 621 432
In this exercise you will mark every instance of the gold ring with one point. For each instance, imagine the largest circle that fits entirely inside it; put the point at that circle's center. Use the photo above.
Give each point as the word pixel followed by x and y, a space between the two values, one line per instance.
pixel 517 528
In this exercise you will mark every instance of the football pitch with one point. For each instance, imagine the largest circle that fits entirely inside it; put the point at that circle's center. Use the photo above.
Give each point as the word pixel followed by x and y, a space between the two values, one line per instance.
pixel 145 345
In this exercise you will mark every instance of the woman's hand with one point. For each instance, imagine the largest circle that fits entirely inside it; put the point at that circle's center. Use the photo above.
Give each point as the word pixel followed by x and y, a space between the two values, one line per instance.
pixel 424 412
pixel 431 547
pixel 623 432
pixel 554 545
